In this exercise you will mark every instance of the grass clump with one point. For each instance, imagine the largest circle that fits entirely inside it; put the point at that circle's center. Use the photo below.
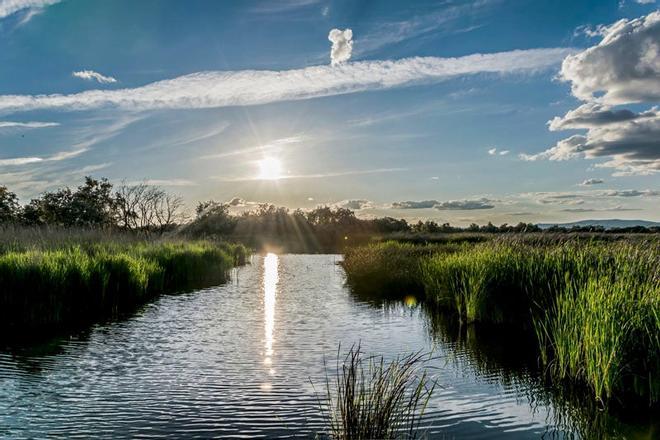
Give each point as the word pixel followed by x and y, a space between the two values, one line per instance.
pixel 47 286
pixel 372 399
pixel 388 267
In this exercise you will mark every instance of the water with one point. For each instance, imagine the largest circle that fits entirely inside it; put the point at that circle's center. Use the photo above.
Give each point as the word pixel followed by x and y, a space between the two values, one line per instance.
pixel 247 359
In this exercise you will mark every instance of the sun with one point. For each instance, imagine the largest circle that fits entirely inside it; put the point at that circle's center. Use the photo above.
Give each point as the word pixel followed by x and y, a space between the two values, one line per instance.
pixel 270 169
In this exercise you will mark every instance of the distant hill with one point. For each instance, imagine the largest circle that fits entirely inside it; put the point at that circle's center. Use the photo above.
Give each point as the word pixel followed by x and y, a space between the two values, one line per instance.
pixel 607 224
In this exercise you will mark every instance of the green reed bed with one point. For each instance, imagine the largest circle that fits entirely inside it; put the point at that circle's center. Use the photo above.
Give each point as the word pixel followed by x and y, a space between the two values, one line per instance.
pixel 388 267
pixel 593 306
pixel 44 286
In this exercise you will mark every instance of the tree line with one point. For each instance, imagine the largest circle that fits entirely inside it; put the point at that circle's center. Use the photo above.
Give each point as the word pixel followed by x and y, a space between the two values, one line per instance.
pixel 97 204
pixel 149 209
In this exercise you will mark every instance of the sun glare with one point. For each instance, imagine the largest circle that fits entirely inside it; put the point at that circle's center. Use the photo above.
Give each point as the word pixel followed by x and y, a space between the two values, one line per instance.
pixel 270 169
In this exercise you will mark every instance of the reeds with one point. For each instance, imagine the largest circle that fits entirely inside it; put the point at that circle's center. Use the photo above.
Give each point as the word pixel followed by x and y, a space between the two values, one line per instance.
pixel 593 306
pixel 370 398
pixel 50 284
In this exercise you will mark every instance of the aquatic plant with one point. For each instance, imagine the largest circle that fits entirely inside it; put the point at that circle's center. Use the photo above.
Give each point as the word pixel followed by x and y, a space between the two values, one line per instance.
pixel 593 306
pixel 62 285
pixel 369 398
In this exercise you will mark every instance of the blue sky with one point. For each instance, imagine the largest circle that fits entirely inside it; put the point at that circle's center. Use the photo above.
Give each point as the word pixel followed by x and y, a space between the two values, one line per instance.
pixel 432 109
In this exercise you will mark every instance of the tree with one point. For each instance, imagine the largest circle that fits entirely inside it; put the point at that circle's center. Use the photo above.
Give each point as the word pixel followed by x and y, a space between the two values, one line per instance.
pixel 147 208
pixel 91 205
pixel 9 207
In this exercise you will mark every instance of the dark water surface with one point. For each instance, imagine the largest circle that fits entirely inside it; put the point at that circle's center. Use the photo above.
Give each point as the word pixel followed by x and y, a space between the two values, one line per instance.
pixel 240 360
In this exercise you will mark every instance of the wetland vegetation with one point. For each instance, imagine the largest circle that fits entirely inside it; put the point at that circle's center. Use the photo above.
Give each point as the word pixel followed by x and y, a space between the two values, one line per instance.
pixel 593 307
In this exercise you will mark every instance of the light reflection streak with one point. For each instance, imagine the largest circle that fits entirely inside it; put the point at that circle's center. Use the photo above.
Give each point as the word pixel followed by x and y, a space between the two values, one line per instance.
pixel 271 277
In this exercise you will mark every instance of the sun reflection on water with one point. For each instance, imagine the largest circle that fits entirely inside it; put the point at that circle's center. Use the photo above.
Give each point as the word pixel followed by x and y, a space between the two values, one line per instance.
pixel 271 277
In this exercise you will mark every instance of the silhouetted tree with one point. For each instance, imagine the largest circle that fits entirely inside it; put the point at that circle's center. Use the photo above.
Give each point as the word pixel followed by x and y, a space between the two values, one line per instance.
pixel 9 207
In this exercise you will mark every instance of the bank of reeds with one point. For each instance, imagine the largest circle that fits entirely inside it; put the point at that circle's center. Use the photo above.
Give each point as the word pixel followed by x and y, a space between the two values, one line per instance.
pixel 594 307
pixel 369 398
pixel 59 283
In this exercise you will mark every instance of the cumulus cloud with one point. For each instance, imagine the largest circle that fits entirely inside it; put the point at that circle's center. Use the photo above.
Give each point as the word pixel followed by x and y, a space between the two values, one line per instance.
pixel 342 45
pixel 460 205
pixel 593 115
pixel 255 87
pixel 9 7
pixel 410 204
pixel 593 181
pixel 236 201
pixel 19 125
pixel 90 75
pixel 355 205
pixel 631 145
pixel 624 68
pixel 632 193
pixel 450 205
pixel 492 151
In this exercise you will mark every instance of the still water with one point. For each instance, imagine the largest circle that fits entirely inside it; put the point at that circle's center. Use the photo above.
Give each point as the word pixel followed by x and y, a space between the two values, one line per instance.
pixel 247 359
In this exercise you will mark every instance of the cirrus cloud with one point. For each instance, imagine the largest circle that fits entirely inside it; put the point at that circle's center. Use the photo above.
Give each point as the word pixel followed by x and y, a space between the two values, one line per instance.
pixel 255 87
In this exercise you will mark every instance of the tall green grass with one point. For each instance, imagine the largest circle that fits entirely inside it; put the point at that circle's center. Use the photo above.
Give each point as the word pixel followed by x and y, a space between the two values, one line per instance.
pixel 593 306
pixel 371 399
pixel 44 285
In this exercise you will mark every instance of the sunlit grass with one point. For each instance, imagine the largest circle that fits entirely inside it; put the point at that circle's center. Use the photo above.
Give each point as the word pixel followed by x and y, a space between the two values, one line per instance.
pixel 593 306
pixel 53 284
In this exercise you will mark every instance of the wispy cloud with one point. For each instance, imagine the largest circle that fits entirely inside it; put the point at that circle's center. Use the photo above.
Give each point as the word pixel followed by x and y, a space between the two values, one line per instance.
pixel 443 21
pixel 62 155
pixel 281 6
pixel 90 75
pixel 97 135
pixel 314 176
pixel 164 182
pixel 19 125
pixel 254 87
pixel 495 152
pixel 268 147
pixel 10 7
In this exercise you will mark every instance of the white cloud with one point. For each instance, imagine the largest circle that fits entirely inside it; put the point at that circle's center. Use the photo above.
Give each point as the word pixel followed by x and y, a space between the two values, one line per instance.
pixel 342 45
pixel 9 7
pixel 169 182
pixel 90 75
pixel 593 181
pixel 593 115
pixel 450 205
pixel 632 193
pixel 624 66
pixel 355 205
pixel 411 204
pixel 494 152
pixel 62 155
pixel 255 87
pixel 18 125
pixel 464 205
pixel 630 141
pixel 645 2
